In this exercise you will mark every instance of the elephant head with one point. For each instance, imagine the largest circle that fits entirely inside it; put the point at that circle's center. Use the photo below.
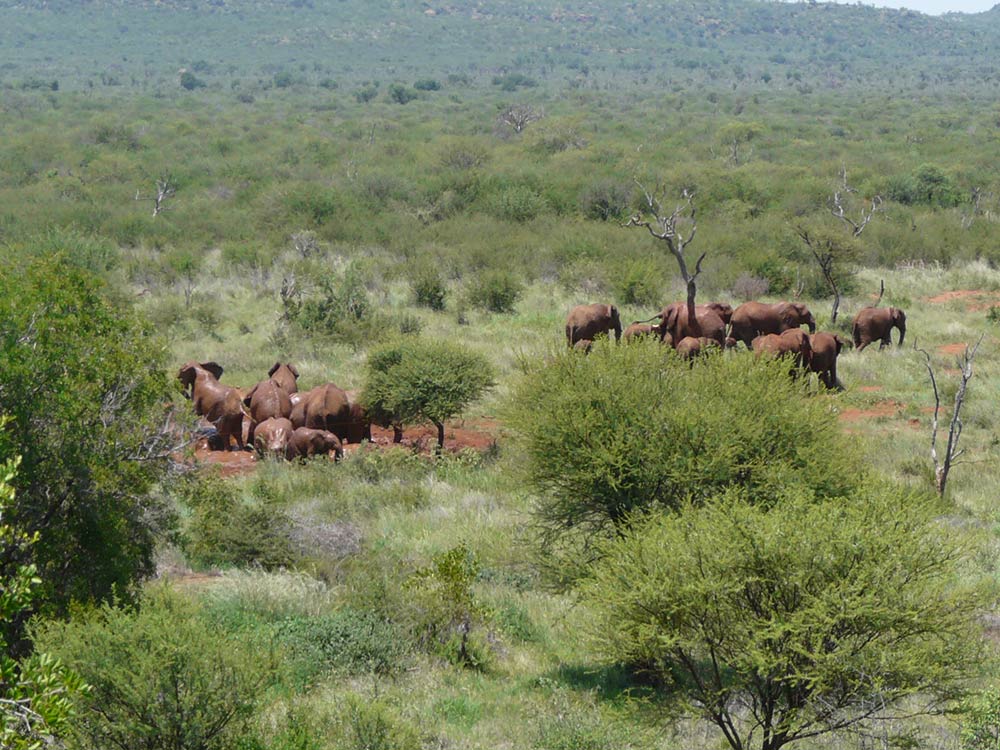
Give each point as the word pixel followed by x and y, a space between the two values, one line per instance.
pixel 897 318
pixel 795 314
pixel 189 372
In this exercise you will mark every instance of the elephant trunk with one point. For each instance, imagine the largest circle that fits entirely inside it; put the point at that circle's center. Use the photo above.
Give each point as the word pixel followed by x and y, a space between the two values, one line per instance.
pixel 811 323
pixel 902 332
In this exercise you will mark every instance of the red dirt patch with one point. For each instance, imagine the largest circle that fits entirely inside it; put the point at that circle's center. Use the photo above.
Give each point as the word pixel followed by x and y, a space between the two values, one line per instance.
pixel 870 388
pixel 230 463
pixel 980 298
pixel 887 408
pixel 950 349
pixel 479 435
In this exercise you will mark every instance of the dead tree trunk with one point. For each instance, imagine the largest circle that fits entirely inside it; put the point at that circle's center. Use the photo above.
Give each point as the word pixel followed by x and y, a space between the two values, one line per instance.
pixel 943 467
pixel 664 227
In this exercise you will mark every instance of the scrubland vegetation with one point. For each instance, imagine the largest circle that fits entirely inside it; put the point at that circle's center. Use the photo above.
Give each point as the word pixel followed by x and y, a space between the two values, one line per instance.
pixel 406 200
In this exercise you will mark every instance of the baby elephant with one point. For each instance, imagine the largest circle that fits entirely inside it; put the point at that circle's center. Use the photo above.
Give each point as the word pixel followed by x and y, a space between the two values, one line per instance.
pixel 272 436
pixel 306 442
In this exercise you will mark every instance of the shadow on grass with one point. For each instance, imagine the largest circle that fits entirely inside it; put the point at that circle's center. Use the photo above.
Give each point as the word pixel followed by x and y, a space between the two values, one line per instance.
pixel 610 683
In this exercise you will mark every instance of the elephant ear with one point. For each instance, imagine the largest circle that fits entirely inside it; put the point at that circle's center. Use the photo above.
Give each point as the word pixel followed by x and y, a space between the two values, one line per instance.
pixel 214 368
pixel 274 369
pixel 186 375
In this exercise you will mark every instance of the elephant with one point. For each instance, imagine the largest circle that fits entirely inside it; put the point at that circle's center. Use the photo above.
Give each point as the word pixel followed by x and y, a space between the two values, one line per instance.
pixel 265 400
pixel 285 375
pixel 753 319
pixel 793 342
pixel 305 442
pixel 325 407
pixel 723 310
pixel 707 323
pixel 587 321
pixel 360 426
pixel 876 323
pixel 272 436
pixel 219 404
pixel 639 330
pixel 689 347
pixel 825 350
pixel 583 345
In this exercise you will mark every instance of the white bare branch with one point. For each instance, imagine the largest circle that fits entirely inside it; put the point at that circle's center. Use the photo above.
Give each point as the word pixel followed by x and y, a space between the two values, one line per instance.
pixel 164 190
pixel 518 116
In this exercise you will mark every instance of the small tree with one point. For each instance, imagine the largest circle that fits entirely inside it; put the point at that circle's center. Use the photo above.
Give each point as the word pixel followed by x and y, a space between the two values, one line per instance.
pixel 736 136
pixel 36 694
pixel 423 381
pixel 668 228
pixel 833 253
pixel 788 623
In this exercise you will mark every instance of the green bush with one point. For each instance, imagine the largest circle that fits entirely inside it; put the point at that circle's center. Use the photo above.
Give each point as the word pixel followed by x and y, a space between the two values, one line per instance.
pixel 626 430
pixel 223 530
pixel 496 291
pixel 341 310
pixel 160 676
pixel 369 724
pixel 423 381
pixel 605 200
pixel 401 94
pixel 981 721
pixel 813 609
pixel 428 288
pixel 642 283
pixel 927 184
pixel 427 84
pixel 518 203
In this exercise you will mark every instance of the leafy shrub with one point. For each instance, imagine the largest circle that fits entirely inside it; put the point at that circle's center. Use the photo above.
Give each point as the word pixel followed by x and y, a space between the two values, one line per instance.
pixel 516 203
pixel 981 721
pixel 605 200
pixel 514 81
pixel 401 94
pixel 350 640
pixel 427 84
pixel 341 310
pixel 373 725
pixel 642 283
pixel 624 430
pixel 423 381
pixel 408 323
pixel 223 530
pixel 428 288
pixel 927 184
pixel 160 676
pixel 283 79
pixel 366 93
pixel 190 81
pixel 495 291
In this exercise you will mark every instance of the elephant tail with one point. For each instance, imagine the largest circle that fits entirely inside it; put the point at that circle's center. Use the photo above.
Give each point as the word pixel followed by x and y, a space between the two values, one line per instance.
pixel 856 334
pixel 658 316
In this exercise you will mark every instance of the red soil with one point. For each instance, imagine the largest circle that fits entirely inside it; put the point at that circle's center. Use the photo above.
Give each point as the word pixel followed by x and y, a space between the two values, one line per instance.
pixel 980 299
pixel 949 349
pixel 870 388
pixel 887 408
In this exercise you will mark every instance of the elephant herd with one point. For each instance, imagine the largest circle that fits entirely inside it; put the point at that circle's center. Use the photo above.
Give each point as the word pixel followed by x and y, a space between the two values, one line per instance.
pixel 766 329
pixel 283 422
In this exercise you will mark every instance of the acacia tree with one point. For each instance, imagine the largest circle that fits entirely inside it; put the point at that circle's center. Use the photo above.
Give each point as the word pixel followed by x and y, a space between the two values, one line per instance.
pixel 670 230
pixel 423 381
pixel 786 623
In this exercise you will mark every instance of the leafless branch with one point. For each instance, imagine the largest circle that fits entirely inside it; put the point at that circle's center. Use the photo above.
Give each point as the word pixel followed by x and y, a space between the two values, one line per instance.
pixel 518 116
pixel 164 190
pixel 857 227
pixel 942 467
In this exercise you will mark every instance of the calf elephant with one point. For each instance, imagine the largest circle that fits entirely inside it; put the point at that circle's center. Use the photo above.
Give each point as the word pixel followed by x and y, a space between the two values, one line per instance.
pixel 325 407
pixel 286 376
pixel 589 321
pixel 876 324
pixel 272 436
pixel 219 404
pixel 792 343
pixel 690 347
pixel 707 323
pixel 306 442
pixel 753 319
pixel 639 330
pixel 825 350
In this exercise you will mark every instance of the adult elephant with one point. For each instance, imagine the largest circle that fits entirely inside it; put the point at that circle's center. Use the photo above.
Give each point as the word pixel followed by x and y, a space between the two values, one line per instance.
pixel 360 426
pixel 707 323
pixel 306 442
pixel 876 324
pixel 272 436
pixel 219 404
pixel 285 375
pixel 792 343
pixel 825 350
pixel 588 321
pixel 753 319
pixel 325 407
pixel 266 400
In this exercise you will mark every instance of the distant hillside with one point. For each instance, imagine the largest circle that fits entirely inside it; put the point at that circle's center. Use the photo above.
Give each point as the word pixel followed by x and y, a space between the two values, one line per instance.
pixel 709 42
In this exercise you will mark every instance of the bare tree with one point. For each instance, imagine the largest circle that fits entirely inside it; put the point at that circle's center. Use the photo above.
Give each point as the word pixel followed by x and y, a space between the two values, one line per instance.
pixel 165 189
pixel 518 116
pixel 942 467
pixel 865 215
pixel 668 229
pixel 976 201
pixel 829 253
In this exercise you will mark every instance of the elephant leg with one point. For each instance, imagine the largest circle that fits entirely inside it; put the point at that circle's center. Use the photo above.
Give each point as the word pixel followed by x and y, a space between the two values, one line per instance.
pixel 861 346
pixel 251 432
pixel 397 433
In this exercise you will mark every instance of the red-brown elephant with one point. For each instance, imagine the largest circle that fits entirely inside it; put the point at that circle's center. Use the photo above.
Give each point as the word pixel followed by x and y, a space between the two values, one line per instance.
pixel 753 319
pixel 219 404
pixel 590 321
pixel 876 324
pixel 825 350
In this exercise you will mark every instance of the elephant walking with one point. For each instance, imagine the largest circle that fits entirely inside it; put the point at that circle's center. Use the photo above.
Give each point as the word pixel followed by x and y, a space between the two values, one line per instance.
pixel 588 321
pixel 825 350
pixel 793 342
pixel 675 324
pixel 876 324
pixel 753 319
